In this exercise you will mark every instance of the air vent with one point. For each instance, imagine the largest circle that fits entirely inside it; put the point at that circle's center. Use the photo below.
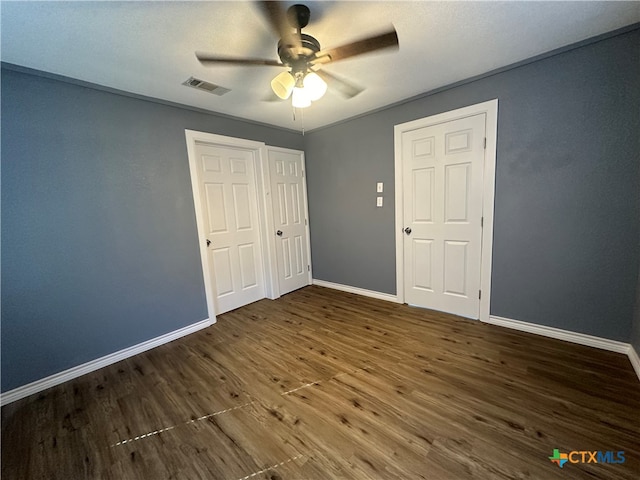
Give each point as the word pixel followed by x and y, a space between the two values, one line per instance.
pixel 205 86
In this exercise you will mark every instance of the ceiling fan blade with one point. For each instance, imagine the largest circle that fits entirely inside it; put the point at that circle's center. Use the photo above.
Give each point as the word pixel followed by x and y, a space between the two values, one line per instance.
pixel 277 18
pixel 347 89
pixel 371 44
pixel 207 59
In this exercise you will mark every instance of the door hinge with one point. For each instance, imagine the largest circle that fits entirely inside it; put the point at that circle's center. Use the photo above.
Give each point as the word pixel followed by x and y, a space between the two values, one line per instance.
pixel 305 221
pixel 308 268
pixel 485 143
pixel 481 222
pixel 479 294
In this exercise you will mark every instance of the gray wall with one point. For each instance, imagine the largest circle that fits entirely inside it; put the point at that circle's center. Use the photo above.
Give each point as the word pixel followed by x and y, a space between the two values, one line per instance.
pixel 99 243
pixel 565 250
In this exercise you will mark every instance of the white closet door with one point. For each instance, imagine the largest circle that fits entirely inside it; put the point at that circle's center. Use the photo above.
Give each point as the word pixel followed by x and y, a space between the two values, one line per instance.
pixel 227 183
pixel 286 170
pixel 443 191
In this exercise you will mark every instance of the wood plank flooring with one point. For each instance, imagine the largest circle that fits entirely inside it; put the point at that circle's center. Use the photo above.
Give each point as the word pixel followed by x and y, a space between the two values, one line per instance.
pixel 323 384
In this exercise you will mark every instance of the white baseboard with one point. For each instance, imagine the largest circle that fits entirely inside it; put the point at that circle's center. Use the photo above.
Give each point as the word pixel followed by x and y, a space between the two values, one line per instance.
pixel 358 291
pixel 573 337
pixel 77 371
pixel 635 360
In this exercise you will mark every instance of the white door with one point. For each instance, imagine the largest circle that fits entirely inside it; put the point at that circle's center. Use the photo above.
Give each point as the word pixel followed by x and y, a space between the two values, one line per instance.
pixel 288 196
pixel 229 205
pixel 442 196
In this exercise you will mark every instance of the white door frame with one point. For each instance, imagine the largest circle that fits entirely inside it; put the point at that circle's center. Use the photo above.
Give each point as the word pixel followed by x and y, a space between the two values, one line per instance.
pixel 490 109
pixel 270 252
pixel 259 157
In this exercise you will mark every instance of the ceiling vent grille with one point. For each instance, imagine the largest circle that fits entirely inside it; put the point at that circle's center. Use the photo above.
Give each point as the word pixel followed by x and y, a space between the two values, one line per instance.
pixel 205 86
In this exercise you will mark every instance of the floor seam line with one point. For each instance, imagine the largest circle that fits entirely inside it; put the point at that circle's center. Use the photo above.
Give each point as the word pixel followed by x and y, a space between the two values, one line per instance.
pixel 271 467
pixel 161 430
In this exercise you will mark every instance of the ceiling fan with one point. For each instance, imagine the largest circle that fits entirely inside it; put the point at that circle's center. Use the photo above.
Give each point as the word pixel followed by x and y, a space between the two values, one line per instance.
pixel 303 57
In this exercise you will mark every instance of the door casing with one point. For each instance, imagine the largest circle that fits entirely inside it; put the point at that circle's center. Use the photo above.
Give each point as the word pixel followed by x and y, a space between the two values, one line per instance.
pixel 490 109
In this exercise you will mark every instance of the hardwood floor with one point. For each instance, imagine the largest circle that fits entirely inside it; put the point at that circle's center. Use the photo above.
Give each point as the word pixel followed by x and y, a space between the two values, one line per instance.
pixel 323 384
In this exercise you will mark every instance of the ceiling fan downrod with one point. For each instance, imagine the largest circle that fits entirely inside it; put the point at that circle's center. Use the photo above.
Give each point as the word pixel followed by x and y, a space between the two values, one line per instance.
pixel 298 16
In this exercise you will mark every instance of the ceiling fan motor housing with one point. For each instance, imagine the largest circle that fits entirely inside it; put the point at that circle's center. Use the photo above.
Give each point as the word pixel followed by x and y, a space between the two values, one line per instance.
pixel 310 46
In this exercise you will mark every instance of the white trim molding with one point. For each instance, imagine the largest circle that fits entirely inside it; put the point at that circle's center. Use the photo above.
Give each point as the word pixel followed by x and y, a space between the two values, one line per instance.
pixel 635 360
pixel 358 291
pixel 557 333
pixel 93 365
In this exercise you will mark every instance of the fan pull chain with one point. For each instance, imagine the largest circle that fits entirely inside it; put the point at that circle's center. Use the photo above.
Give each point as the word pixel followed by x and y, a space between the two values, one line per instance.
pixel 301 117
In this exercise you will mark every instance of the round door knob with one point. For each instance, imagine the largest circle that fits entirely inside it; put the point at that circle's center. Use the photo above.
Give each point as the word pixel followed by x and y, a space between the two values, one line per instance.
pixel 407 231
pixel 279 233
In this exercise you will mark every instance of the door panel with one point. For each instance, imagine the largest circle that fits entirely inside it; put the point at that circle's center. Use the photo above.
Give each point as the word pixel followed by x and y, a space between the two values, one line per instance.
pixel 443 186
pixel 456 204
pixel 214 194
pixel 289 210
pixel 455 272
pixel 222 262
pixel 422 256
pixel 230 206
pixel 423 179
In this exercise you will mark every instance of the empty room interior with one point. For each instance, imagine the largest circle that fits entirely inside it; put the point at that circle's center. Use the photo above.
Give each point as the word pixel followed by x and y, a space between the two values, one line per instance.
pixel 341 239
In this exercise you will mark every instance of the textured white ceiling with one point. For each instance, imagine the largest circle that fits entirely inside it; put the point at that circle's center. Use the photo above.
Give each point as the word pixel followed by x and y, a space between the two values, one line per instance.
pixel 148 48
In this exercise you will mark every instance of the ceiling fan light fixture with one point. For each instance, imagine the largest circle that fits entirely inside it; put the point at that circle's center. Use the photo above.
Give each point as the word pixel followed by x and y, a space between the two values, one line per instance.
pixel 300 98
pixel 282 85
pixel 302 56
pixel 314 86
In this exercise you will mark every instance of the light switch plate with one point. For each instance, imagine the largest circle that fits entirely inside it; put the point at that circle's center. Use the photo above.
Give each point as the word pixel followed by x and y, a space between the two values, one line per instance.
pixel 378 201
pixel 379 187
